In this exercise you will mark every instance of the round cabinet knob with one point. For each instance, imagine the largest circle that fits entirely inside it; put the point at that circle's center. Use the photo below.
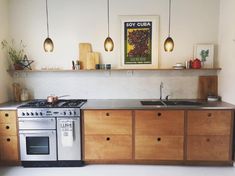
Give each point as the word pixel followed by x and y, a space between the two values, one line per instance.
pixel 6 115
pixel 207 140
pixel 159 114
pixel 8 139
pixel 209 114
pixel 159 139
pixel 7 127
pixel 107 114
pixel 108 139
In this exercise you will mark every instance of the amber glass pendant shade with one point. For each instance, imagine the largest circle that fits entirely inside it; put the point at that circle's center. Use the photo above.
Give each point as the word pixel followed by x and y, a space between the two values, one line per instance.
pixel 48 45
pixel 108 44
pixel 169 44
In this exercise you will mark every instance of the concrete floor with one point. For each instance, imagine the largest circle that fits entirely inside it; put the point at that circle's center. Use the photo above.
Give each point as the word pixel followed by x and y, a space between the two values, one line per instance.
pixel 120 170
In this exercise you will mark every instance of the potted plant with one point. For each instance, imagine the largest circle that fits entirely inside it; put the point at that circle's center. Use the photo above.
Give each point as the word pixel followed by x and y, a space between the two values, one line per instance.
pixel 15 54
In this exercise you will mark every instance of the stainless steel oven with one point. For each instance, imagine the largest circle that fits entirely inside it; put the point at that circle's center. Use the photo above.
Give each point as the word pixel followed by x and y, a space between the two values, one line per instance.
pixel 37 139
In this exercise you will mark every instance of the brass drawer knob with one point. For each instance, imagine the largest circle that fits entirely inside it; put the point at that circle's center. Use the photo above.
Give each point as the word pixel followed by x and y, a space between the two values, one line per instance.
pixel 7 127
pixel 8 139
pixel 6 115
pixel 108 139
pixel 107 114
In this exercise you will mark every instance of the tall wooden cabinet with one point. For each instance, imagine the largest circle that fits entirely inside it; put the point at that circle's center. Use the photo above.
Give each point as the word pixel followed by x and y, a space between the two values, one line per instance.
pixel 9 151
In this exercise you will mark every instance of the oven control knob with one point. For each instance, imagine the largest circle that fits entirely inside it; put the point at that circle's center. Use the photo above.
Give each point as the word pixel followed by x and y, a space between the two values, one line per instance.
pixel 41 113
pixel 27 114
pixel 36 113
pixel 74 112
pixel 64 113
pixel 23 114
pixel 70 113
pixel 32 114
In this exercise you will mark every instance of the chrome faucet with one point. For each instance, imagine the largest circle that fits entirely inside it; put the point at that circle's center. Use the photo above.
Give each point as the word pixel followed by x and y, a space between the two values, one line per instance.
pixel 161 87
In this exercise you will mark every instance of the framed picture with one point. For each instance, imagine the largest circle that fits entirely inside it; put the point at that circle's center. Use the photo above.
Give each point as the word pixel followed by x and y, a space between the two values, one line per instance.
pixel 139 42
pixel 205 53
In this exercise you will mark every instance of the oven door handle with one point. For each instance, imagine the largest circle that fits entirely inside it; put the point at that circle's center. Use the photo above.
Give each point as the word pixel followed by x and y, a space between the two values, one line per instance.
pixel 37 132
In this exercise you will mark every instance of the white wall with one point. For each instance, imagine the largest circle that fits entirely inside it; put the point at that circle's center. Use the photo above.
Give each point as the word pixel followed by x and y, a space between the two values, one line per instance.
pixel 75 21
pixel 5 79
pixel 227 50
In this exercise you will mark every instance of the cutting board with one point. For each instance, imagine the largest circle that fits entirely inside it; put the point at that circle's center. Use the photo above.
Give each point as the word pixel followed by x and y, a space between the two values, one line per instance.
pixel 84 49
pixel 207 85
pixel 92 59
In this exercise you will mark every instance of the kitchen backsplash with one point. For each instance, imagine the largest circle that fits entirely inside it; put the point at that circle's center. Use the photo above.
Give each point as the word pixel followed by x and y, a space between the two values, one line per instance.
pixel 112 85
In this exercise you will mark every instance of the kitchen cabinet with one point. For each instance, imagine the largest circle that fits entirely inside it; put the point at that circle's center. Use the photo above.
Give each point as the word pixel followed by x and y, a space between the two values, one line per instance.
pixel 209 135
pixel 159 135
pixel 151 136
pixel 9 150
pixel 107 135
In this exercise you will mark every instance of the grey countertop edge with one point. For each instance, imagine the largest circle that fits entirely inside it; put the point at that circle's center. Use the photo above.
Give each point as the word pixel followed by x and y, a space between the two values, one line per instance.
pixel 93 104
pixel 11 105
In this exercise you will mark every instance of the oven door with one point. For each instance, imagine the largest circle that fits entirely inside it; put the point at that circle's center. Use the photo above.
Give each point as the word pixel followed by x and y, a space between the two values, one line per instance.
pixel 38 145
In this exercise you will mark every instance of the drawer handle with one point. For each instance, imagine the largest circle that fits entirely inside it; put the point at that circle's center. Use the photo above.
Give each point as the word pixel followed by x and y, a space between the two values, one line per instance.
pixel 209 114
pixel 107 114
pixel 108 139
pixel 8 139
pixel 207 140
pixel 7 127
pixel 159 139
pixel 6 115
pixel 159 114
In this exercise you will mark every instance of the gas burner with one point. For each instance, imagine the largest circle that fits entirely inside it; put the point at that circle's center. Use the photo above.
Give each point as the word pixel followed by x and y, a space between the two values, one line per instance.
pixel 42 103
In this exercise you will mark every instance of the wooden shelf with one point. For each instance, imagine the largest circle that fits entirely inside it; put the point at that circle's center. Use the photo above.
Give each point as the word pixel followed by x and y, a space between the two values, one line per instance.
pixel 160 69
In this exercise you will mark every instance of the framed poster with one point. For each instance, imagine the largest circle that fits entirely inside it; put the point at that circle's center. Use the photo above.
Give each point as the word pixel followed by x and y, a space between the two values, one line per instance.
pixel 139 42
pixel 205 53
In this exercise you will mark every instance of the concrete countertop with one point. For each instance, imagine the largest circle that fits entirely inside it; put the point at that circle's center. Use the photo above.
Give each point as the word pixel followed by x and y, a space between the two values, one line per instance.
pixel 135 104
pixel 11 105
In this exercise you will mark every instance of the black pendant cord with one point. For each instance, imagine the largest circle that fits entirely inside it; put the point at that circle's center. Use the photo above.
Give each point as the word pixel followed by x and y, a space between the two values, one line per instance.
pixel 169 30
pixel 47 20
pixel 108 15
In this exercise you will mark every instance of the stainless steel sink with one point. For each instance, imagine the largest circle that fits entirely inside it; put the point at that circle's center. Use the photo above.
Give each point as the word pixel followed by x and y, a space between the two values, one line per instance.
pixel 170 103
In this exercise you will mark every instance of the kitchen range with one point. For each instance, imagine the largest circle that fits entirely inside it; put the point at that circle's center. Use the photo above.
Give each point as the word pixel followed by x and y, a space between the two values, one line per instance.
pixel 50 133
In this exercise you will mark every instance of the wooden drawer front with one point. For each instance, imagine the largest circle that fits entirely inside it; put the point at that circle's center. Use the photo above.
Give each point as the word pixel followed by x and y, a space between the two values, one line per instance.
pixel 7 116
pixel 9 148
pixel 209 122
pixel 208 148
pixel 8 129
pixel 108 147
pixel 159 123
pixel 108 122
pixel 159 147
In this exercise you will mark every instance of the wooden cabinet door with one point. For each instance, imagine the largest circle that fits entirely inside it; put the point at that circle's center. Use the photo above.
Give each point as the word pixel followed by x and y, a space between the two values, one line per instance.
pixel 107 122
pixel 7 116
pixel 108 147
pixel 159 148
pixel 209 122
pixel 158 122
pixel 8 129
pixel 9 148
pixel 208 148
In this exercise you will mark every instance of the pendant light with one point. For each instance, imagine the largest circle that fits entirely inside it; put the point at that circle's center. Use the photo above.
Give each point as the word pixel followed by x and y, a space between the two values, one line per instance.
pixel 169 43
pixel 108 43
pixel 48 43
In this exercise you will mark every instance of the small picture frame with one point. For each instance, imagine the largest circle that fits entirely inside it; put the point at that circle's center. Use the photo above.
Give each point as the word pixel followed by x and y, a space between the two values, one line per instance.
pixel 139 42
pixel 205 53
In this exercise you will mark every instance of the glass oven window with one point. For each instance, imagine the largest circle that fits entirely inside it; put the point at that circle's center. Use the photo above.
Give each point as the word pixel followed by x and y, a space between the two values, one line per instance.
pixel 37 145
